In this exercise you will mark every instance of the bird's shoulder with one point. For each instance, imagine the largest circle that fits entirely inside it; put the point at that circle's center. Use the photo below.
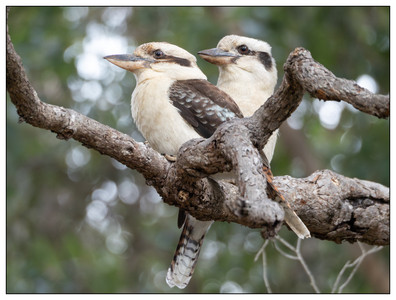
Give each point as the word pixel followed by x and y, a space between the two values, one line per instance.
pixel 203 105
pixel 203 89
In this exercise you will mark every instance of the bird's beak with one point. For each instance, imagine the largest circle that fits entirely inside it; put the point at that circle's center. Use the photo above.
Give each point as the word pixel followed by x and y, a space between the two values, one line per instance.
pixel 129 62
pixel 217 56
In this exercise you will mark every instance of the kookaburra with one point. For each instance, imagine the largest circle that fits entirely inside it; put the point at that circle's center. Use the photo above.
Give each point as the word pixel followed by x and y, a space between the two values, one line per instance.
pixel 247 72
pixel 171 104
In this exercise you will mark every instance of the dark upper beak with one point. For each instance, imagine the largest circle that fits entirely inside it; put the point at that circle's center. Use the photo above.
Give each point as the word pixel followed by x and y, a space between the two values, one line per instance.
pixel 129 62
pixel 217 56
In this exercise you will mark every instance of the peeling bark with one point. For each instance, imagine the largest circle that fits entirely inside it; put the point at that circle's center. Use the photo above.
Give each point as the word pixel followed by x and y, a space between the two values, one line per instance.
pixel 338 208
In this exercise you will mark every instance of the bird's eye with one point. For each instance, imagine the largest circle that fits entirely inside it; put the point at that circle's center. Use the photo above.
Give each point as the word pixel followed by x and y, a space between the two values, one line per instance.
pixel 243 49
pixel 158 53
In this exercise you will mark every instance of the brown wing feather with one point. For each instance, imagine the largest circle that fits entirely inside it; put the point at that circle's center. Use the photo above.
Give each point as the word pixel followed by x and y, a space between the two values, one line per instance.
pixel 203 105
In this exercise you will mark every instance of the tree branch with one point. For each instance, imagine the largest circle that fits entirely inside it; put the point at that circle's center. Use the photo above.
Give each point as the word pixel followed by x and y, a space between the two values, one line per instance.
pixel 327 86
pixel 338 208
pixel 332 206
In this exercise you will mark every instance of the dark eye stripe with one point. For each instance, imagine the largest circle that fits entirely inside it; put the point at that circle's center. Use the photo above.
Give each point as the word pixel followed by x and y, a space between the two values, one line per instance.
pixel 158 54
pixel 265 59
pixel 181 61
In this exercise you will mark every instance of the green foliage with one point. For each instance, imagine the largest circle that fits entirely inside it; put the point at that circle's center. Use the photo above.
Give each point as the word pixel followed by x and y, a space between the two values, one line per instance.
pixel 79 222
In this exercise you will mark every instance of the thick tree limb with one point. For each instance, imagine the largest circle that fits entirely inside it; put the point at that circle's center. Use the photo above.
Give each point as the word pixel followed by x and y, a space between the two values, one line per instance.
pixel 332 206
pixel 338 208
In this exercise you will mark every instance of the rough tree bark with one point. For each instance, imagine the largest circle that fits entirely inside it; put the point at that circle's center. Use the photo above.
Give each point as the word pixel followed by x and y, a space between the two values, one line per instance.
pixel 332 206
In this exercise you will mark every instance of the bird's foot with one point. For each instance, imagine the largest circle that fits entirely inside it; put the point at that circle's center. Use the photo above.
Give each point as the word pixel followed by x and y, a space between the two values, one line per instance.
pixel 170 158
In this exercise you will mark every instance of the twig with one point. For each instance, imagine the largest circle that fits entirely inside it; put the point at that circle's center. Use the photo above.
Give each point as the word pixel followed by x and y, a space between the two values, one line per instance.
pixel 299 257
pixel 288 246
pixel 264 257
pixel 305 266
pixel 356 263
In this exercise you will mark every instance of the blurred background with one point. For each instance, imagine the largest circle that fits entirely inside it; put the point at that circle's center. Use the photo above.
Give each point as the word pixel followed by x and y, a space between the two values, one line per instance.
pixel 80 222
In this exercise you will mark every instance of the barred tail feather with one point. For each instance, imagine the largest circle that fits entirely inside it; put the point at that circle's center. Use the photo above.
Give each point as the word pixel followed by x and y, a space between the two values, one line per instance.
pixel 187 252
pixel 291 217
pixel 295 223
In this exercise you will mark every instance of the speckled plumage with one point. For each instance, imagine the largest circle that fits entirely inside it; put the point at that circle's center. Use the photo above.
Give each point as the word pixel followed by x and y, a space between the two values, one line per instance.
pixel 202 105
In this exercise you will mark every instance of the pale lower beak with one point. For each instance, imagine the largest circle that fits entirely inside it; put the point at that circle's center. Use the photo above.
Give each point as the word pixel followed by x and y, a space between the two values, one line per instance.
pixel 217 56
pixel 129 62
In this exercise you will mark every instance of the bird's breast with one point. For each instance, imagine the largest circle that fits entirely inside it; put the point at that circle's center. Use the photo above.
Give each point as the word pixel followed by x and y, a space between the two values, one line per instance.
pixel 157 119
